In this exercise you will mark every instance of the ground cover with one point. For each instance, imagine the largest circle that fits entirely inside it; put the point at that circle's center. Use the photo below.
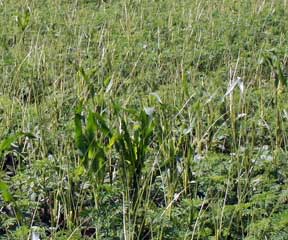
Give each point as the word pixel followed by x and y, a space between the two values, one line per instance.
pixel 143 119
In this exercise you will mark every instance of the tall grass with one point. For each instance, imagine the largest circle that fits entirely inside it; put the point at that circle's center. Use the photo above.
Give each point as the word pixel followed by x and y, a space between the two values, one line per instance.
pixel 143 119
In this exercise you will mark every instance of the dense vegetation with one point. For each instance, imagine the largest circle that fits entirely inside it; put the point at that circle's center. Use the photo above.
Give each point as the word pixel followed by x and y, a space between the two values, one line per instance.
pixel 153 119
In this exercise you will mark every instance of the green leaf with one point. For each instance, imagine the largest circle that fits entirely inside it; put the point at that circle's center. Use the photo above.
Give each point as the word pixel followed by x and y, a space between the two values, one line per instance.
pixel 99 161
pixel 6 143
pixel 4 190
pixel 113 140
pixel 79 136
pixel 126 137
pixel 83 74
pixel 91 127
pixel 101 123
pixel 280 74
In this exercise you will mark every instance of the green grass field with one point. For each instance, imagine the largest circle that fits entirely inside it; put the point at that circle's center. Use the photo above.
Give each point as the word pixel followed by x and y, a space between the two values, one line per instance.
pixel 137 119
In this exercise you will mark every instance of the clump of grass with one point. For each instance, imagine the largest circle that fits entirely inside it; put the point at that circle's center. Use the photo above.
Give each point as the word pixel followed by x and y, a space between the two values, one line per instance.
pixel 143 120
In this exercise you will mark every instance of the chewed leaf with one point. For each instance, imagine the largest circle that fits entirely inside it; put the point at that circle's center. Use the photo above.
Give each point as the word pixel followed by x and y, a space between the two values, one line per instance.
pixel 231 88
pixel 241 85
pixel 35 235
pixel 157 97
pixel 234 84
pixel 149 110
pixel 187 130
pixel 241 115
pixel 109 86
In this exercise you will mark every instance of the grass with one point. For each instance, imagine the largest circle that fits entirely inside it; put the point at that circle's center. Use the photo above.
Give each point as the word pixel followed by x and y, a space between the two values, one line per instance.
pixel 125 120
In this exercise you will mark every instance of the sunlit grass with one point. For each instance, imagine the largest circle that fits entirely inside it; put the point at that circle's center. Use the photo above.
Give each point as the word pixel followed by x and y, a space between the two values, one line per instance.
pixel 143 119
